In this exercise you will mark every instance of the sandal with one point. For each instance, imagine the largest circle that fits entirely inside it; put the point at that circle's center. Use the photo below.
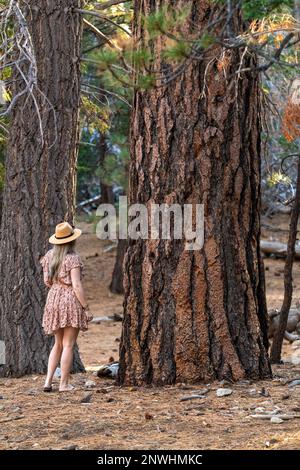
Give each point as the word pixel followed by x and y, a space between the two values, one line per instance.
pixel 47 389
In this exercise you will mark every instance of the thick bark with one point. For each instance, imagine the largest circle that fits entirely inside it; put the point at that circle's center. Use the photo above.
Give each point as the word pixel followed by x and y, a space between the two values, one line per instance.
pixel 194 316
pixel 116 285
pixel 40 182
pixel 288 277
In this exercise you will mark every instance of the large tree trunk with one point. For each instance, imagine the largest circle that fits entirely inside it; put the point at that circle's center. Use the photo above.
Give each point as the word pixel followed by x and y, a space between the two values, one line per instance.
pixel 116 285
pixel 196 315
pixel 40 181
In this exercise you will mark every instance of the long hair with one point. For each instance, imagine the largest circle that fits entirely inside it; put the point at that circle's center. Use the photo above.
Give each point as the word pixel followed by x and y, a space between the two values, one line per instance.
pixel 59 252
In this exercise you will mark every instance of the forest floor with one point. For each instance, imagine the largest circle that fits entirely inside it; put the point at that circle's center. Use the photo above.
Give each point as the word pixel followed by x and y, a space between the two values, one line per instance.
pixel 151 417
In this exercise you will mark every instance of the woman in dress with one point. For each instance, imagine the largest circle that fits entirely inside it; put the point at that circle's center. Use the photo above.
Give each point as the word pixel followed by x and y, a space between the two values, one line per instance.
pixel 66 310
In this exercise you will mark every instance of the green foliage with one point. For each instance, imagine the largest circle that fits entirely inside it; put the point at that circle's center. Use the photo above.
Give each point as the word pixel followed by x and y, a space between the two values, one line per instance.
pixel 108 57
pixel 165 20
pixel 206 40
pixel 253 9
pixel 96 116
pixel 140 57
pixel 257 9
pixel 114 168
pixel 145 81
pixel 178 51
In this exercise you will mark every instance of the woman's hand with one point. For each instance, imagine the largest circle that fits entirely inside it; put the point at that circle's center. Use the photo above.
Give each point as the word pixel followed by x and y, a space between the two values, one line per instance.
pixel 89 315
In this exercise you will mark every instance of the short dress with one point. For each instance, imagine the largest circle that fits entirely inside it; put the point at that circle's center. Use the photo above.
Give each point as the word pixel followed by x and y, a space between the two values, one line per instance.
pixel 62 306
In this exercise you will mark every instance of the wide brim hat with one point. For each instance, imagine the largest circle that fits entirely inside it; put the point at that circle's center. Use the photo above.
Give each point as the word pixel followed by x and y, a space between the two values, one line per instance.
pixel 64 233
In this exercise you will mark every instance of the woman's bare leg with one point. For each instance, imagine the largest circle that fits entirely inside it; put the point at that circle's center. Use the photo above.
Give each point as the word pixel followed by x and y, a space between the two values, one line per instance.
pixel 69 339
pixel 54 356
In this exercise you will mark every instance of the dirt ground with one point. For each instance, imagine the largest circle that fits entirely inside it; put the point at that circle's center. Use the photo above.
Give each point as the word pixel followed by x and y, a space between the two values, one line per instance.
pixel 150 417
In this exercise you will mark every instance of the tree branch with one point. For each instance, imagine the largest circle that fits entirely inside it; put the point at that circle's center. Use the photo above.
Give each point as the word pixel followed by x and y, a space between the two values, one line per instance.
pixel 102 17
pixel 103 6
pixel 99 33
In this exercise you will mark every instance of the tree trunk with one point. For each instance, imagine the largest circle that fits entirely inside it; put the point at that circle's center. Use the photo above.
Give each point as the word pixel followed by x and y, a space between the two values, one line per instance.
pixel 288 277
pixel 116 285
pixel 40 181
pixel 193 316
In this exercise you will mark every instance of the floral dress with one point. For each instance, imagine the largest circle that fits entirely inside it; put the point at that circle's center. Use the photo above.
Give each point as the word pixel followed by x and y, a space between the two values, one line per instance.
pixel 62 306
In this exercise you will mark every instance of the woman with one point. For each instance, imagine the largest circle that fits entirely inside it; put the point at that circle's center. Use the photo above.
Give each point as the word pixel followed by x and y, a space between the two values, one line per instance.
pixel 66 310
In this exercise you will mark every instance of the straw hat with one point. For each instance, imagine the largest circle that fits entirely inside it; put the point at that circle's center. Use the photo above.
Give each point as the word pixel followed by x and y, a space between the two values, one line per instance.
pixel 64 233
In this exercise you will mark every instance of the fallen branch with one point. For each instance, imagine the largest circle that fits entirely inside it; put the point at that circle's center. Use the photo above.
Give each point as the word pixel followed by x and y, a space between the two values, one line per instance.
pixel 88 201
pixel 277 248
pixel 6 420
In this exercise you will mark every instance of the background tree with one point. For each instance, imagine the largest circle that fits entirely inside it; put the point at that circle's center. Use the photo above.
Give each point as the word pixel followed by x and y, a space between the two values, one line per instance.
pixel 196 315
pixel 40 169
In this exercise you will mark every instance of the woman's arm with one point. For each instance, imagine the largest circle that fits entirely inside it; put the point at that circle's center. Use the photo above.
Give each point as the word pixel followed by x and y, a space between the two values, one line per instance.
pixel 78 289
pixel 77 286
pixel 46 280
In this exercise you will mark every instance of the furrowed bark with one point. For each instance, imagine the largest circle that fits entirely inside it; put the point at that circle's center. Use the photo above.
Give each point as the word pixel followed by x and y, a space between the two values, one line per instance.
pixel 192 316
pixel 40 181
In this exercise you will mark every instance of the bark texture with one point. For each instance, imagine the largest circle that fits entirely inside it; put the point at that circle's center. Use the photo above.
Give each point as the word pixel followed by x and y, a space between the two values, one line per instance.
pixel 116 285
pixel 40 181
pixel 192 316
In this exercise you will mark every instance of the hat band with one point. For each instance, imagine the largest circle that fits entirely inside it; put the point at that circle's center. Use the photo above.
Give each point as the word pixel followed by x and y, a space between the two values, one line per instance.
pixel 67 236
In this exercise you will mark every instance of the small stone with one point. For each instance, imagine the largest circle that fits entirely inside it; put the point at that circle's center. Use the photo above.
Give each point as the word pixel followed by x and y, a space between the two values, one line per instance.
pixel 271 442
pixel 276 420
pixel 259 409
pixel 16 409
pixel 223 392
pixel 90 384
pixel 264 392
pixel 70 447
pixel 87 398
pixel 244 382
pixel 285 397
pixel 32 392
